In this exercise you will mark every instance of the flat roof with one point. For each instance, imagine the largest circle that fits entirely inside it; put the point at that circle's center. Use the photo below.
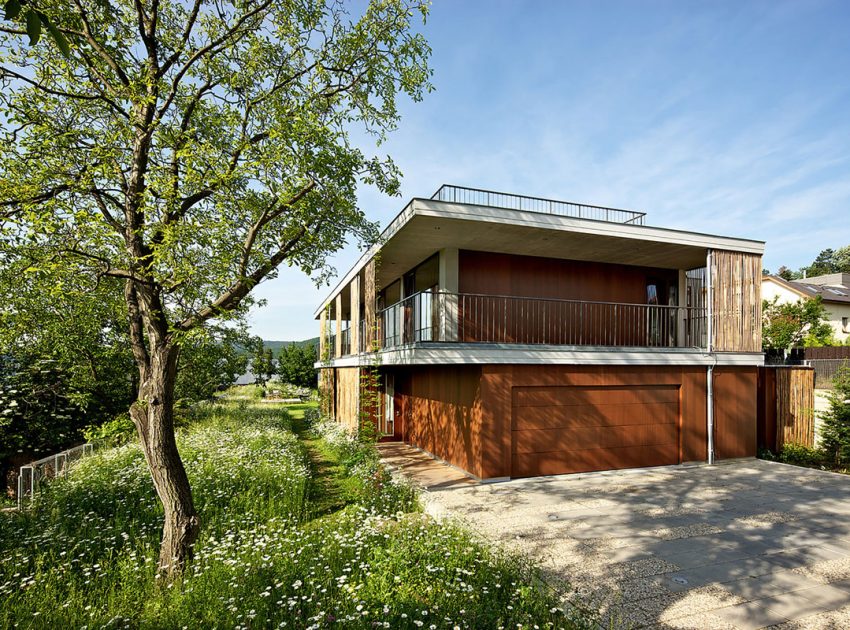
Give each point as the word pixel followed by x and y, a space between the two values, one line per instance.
pixel 426 225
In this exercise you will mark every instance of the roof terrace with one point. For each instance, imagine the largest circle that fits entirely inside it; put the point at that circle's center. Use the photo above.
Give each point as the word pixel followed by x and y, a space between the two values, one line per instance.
pixel 508 201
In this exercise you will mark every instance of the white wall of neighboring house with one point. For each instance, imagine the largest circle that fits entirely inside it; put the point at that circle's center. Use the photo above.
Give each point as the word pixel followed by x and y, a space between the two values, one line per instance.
pixel 835 312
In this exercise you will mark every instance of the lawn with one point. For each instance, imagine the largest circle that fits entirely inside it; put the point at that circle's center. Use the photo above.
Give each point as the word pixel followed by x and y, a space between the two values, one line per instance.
pixel 300 529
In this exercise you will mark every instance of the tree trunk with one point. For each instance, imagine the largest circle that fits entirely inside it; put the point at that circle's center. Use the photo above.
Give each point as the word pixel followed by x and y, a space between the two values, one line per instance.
pixel 153 415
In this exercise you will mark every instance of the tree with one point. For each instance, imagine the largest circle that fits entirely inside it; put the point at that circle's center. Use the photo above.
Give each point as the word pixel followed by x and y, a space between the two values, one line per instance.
pixel 187 150
pixel 785 325
pixel 823 264
pixel 262 363
pixel 786 274
pixel 209 363
pixel 842 259
pixel 295 365
pixel 836 421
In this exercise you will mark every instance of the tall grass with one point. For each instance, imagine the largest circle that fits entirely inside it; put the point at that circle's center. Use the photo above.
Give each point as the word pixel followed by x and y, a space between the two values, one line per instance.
pixel 85 555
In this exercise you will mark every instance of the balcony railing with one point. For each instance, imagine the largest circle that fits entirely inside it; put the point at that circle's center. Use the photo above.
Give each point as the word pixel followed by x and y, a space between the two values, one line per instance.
pixel 468 318
pixel 478 197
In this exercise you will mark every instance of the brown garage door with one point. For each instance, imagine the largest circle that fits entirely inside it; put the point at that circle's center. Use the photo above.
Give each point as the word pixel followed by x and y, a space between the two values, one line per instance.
pixel 575 429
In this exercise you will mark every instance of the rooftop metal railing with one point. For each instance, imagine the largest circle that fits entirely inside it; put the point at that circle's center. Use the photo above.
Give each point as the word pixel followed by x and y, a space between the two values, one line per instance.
pixel 479 197
pixel 469 318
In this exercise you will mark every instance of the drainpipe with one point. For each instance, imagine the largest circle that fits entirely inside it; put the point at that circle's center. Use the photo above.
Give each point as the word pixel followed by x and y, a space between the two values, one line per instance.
pixel 710 373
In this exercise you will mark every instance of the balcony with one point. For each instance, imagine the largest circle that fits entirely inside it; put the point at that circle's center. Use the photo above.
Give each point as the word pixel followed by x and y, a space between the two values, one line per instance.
pixel 465 318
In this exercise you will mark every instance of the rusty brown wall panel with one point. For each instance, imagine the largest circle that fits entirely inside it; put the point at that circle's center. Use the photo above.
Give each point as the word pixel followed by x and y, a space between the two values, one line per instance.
pixel 442 412
pixel 530 465
pixel 497 381
pixel 574 416
pixel 533 276
pixel 735 411
pixel 601 395
pixel 501 321
pixel 694 434
pixel 568 439
pixel 766 409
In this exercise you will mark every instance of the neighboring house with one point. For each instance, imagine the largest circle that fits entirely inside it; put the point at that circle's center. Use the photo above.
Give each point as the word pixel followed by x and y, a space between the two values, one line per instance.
pixel 833 288
pixel 518 337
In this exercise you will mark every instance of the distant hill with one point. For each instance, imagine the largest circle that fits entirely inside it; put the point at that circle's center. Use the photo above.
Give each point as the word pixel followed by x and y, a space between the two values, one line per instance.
pixel 277 345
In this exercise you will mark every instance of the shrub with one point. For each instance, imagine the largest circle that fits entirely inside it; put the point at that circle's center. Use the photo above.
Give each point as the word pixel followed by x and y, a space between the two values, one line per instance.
pixel 836 421
pixel 115 432
pixel 800 455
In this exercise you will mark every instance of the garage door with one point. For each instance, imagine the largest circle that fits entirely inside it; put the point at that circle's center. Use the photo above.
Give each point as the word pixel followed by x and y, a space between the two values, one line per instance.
pixel 559 430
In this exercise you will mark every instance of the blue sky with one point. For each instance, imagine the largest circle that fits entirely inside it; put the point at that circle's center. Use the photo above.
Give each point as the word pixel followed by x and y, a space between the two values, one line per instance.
pixel 721 117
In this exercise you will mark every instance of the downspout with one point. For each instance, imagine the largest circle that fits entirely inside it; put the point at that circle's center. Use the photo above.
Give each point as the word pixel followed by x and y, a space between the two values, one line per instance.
pixel 710 373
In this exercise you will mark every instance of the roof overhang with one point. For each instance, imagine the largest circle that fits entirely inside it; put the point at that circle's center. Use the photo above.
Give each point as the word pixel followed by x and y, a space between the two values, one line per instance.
pixel 426 226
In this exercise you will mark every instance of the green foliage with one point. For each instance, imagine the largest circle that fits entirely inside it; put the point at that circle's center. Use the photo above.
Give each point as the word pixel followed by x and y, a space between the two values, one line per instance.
pixel 836 421
pixel 801 455
pixel 115 432
pixel 295 365
pixel 209 362
pixel 33 19
pixel 823 264
pixel 262 362
pixel 85 556
pixel 786 325
pixel 39 410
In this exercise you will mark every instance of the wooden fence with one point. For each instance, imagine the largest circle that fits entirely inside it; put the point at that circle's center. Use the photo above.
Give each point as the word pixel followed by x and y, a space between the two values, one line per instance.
pixel 786 406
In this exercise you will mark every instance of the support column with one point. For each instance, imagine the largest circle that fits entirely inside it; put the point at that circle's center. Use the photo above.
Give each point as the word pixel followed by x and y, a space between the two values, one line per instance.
pixel 323 333
pixel 338 338
pixel 449 283
pixel 354 318
pixel 370 297
pixel 682 339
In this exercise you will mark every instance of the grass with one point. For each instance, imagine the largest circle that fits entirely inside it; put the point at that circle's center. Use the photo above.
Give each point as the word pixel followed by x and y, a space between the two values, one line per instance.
pixel 302 527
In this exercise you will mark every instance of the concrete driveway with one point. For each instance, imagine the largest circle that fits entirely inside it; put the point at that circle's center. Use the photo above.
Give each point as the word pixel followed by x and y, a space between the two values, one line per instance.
pixel 743 544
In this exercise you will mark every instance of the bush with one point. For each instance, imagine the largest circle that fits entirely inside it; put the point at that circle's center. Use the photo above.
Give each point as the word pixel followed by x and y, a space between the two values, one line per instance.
pixel 800 455
pixel 115 432
pixel 836 421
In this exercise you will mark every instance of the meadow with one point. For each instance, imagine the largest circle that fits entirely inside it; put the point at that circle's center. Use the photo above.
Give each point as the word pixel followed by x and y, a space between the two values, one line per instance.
pixel 302 528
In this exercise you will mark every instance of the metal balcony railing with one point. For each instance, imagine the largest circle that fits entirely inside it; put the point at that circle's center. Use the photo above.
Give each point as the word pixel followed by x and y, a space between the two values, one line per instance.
pixel 478 197
pixel 468 318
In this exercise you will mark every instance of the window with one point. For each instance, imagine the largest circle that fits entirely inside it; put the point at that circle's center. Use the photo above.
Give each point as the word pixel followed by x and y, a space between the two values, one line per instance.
pixel 844 324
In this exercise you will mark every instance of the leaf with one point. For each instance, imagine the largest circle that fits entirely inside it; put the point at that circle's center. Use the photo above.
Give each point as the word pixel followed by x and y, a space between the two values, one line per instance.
pixel 58 37
pixel 33 27
pixel 13 9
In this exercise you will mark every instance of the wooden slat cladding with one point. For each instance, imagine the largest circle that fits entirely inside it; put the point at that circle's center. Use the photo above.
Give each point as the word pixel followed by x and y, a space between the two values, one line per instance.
pixel 347 403
pixel 442 407
pixel 736 301
pixel 594 428
pixel 327 391
pixel 795 406
pixel 735 412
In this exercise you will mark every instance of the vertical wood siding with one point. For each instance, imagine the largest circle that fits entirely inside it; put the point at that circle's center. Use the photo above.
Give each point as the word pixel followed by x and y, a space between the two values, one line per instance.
pixel 736 301
pixel 347 404
pixel 795 406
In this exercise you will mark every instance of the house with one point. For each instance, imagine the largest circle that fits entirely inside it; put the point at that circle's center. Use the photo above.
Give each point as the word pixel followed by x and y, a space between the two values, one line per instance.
pixel 834 289
pixel 513 336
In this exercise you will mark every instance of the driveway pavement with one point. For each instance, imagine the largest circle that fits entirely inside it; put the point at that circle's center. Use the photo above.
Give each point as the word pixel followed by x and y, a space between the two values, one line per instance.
pixel 743 544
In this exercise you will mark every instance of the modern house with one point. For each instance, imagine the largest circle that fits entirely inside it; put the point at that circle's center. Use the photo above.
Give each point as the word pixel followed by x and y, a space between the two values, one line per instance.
pixel 834 290
pixel 514 336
